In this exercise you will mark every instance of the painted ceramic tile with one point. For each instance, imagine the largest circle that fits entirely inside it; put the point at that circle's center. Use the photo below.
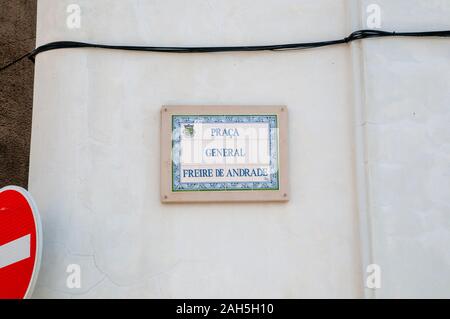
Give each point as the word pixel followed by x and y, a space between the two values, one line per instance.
pixel 224 152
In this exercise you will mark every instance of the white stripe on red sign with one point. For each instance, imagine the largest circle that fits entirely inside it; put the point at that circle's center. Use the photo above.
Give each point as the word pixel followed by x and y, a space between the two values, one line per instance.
pixel 15 251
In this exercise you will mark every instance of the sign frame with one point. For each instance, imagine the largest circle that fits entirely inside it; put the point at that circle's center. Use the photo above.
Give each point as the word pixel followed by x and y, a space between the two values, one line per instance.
pixel 167 195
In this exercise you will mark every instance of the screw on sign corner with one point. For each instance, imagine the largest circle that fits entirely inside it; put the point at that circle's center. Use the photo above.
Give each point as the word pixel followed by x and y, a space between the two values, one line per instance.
pixel 20 243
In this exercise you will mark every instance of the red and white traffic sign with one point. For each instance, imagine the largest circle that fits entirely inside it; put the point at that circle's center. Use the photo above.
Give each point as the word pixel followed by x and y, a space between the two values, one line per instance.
pixel 20 243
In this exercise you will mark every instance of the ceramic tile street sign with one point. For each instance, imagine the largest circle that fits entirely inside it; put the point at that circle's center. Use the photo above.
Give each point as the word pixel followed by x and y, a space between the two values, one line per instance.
pixel 223 153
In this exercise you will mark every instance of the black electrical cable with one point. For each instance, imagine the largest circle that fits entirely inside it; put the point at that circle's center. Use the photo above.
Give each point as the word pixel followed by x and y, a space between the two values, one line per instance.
pixel 357 35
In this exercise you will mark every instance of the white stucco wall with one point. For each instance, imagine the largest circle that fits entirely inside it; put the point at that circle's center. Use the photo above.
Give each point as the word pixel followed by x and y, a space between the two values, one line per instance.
pixel 95 153
pixel 407 124
pixel 94 167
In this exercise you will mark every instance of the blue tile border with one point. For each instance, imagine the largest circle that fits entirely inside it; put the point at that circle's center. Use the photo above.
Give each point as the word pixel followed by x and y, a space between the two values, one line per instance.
pixel 179 120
